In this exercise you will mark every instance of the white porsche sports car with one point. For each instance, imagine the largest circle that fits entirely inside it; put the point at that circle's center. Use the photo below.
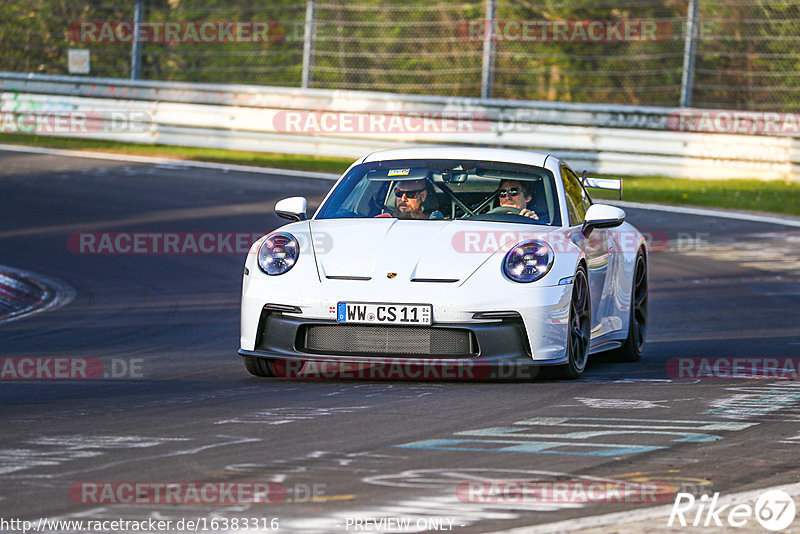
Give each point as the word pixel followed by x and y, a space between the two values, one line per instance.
pixel 451 255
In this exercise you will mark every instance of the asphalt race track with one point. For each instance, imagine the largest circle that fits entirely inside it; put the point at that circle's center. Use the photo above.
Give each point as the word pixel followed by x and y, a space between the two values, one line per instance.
pixel 174 404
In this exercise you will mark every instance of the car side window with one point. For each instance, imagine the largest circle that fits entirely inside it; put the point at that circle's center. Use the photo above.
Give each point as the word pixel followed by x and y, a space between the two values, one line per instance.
pixel 577 199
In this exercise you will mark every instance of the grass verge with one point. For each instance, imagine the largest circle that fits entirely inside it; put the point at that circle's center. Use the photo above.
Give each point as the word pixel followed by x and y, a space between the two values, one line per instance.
pixel 750 195
pixel 774 196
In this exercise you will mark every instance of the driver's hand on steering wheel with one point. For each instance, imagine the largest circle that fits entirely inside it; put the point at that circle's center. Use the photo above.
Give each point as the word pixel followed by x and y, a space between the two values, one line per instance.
pixel 528 213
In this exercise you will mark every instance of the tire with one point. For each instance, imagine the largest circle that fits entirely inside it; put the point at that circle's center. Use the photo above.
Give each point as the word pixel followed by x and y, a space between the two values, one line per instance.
pixel 631 350
pixel 580 326
pixel 258 366
pixel 273 367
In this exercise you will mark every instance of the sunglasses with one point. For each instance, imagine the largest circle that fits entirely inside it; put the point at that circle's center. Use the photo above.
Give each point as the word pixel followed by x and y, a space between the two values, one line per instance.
pixel 514 191
pixel 409 194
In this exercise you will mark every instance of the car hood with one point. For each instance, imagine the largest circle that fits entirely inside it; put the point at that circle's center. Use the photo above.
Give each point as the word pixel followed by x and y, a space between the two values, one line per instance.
pixel 423 250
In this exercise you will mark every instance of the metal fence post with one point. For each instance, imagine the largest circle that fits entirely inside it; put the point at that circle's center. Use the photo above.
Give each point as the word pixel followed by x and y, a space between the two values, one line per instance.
pixel 136 46
pixel 690 44
pixel 308 45
pixel 487 73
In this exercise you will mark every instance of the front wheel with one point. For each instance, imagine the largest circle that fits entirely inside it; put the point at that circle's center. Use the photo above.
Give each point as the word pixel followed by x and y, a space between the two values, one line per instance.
pixel 631 350
pixel 580 325
pixel 257 366
pixel 272 367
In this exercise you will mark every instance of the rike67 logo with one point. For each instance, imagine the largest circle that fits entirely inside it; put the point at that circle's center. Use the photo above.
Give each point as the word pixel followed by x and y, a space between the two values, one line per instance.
pixel 774 510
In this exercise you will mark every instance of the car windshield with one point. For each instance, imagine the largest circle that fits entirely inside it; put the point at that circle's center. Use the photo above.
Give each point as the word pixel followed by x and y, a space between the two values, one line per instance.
pixel 445 190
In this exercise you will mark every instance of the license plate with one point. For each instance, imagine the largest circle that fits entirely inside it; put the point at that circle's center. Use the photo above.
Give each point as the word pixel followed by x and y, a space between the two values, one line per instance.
pixel 362 312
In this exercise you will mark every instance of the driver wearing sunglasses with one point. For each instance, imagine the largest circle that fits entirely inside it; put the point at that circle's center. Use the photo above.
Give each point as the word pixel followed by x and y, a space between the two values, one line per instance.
pixel 411 195
pixel 516 194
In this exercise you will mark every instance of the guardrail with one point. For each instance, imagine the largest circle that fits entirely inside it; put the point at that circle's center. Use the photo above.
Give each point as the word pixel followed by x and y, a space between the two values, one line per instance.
pixel 608 139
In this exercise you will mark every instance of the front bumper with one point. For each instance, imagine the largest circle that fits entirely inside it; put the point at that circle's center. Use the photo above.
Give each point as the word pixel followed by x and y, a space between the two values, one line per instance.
pixel 486 344
pixel 542 314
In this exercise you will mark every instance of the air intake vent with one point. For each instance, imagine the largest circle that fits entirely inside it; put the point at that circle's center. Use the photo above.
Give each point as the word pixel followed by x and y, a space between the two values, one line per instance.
pixel 392 341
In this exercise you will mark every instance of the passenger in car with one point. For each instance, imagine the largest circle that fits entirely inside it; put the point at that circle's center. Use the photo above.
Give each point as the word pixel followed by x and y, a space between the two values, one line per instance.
pixel 411 196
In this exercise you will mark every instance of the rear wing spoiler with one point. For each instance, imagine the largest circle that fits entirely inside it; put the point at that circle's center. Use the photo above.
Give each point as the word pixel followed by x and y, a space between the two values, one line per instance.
pixel 609 184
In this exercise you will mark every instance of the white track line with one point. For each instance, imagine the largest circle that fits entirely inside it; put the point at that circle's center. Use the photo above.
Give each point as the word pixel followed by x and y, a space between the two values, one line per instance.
pixel 705 212
pixel 724 214
pixel 167 161
pixel 617 519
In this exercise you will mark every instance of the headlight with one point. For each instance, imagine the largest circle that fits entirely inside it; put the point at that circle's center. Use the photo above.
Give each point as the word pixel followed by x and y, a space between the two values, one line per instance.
pixel 528 261
pixel 278 253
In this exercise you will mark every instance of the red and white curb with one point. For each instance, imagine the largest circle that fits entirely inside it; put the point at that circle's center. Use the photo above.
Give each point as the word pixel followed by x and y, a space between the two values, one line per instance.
pixel 23 293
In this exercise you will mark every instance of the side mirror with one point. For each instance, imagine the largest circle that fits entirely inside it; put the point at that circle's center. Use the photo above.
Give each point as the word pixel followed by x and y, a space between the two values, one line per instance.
pixel 602 216
pixel 293 208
